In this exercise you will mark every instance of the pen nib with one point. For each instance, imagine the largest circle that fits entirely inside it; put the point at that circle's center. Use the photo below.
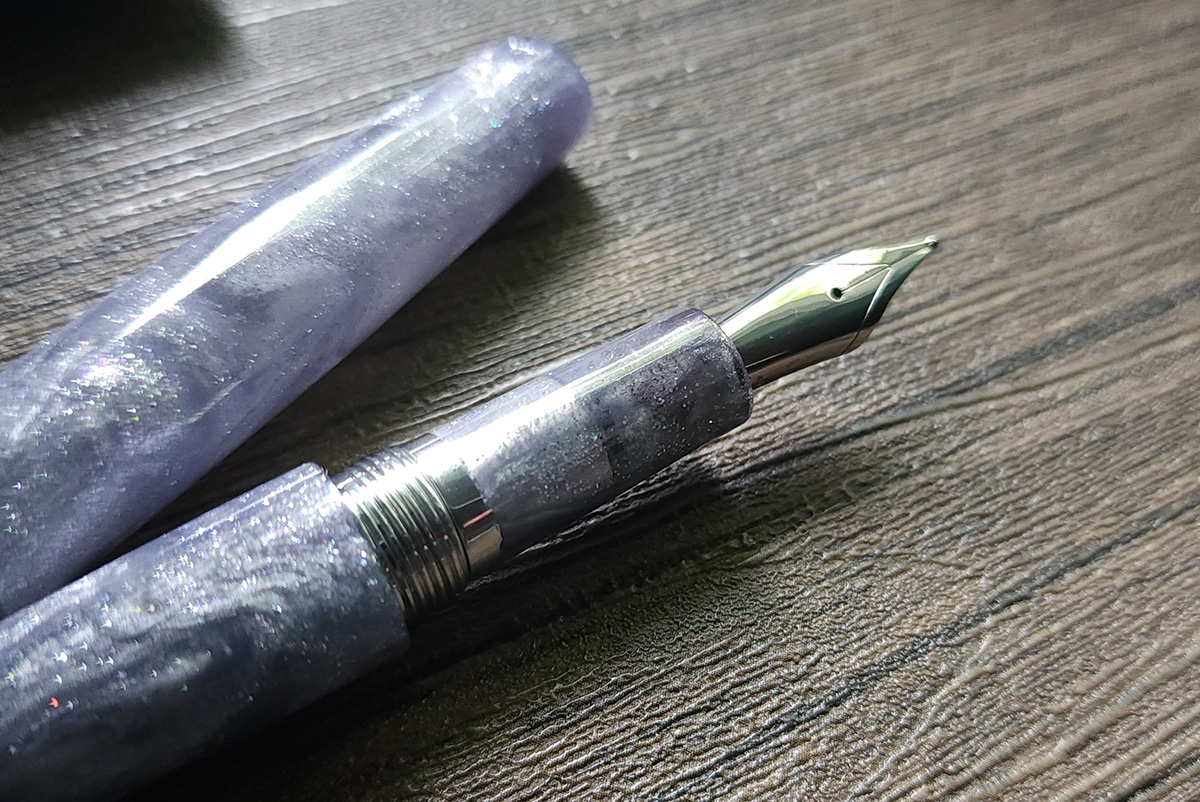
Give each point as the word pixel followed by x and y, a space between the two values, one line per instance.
pixel 822 310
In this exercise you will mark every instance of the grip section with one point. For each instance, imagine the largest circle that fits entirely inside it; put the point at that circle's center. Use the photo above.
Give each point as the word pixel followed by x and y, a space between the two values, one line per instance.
pixel 554 449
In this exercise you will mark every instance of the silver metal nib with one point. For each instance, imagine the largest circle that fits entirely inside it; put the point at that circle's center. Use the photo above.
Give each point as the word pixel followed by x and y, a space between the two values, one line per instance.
pixel 823 310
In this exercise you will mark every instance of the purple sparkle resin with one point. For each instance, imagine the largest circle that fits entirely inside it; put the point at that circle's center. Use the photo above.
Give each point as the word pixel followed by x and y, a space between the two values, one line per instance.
pixel 241 616
pixel 119 411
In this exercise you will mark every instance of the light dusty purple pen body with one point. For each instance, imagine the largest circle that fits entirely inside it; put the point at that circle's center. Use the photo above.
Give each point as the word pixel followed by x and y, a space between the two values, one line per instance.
pixel 118 412
pixel 292 589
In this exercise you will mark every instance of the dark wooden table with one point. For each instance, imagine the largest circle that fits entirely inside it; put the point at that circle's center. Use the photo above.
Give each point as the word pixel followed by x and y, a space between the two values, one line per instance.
pixel 963 562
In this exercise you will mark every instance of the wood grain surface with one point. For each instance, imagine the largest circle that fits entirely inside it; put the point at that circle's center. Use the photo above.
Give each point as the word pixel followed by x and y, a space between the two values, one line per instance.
pixel 962 563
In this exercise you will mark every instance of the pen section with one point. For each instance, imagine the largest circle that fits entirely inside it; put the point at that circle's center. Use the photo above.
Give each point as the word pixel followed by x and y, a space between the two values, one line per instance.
pixel 554 449
pixel 246 614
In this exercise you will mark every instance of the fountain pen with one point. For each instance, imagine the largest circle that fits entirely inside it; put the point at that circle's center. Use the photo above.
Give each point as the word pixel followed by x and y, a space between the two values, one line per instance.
pixel 299 586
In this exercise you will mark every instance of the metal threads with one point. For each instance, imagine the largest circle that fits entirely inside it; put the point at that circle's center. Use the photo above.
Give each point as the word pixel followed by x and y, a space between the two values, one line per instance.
pixel 411 527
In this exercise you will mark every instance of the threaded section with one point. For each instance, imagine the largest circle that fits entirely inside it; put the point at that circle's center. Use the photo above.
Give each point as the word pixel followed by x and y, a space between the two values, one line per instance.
pixel 411 527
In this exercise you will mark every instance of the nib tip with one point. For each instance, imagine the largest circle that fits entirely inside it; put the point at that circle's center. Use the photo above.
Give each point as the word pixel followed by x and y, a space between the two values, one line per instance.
pixel 823 310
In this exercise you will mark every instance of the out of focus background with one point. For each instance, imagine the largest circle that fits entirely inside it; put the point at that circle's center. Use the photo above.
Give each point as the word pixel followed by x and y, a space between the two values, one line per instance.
pixel 965 565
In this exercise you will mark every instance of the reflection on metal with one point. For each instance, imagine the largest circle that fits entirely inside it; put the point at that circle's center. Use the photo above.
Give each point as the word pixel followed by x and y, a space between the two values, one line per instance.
pixel 823 310
pixel 450 506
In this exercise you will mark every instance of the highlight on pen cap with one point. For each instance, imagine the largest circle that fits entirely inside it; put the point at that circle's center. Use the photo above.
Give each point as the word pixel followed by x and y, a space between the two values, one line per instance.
pixel 175 368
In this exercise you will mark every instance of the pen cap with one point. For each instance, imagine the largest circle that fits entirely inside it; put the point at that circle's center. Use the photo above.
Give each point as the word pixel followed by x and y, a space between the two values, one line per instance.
pixel 118 412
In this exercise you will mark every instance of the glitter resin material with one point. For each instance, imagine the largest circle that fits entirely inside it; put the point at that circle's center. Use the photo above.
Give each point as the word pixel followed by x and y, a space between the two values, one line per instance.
pixel 554 449
pixel 119 411
pixel 229 622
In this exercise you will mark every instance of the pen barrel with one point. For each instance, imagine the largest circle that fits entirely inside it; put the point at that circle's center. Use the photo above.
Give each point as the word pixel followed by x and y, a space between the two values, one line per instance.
pixel 517 469
pixel 221 626
pixel 118 412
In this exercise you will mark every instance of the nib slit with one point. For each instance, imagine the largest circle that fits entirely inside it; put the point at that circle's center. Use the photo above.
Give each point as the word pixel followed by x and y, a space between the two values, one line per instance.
pixel 822 310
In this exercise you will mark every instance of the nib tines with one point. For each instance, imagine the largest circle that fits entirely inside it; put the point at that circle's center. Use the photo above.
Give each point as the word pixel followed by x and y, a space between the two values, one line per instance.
pixel 822 310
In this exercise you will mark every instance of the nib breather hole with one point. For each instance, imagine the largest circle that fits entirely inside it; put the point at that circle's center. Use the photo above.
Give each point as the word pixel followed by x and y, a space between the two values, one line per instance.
pixel 836 294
